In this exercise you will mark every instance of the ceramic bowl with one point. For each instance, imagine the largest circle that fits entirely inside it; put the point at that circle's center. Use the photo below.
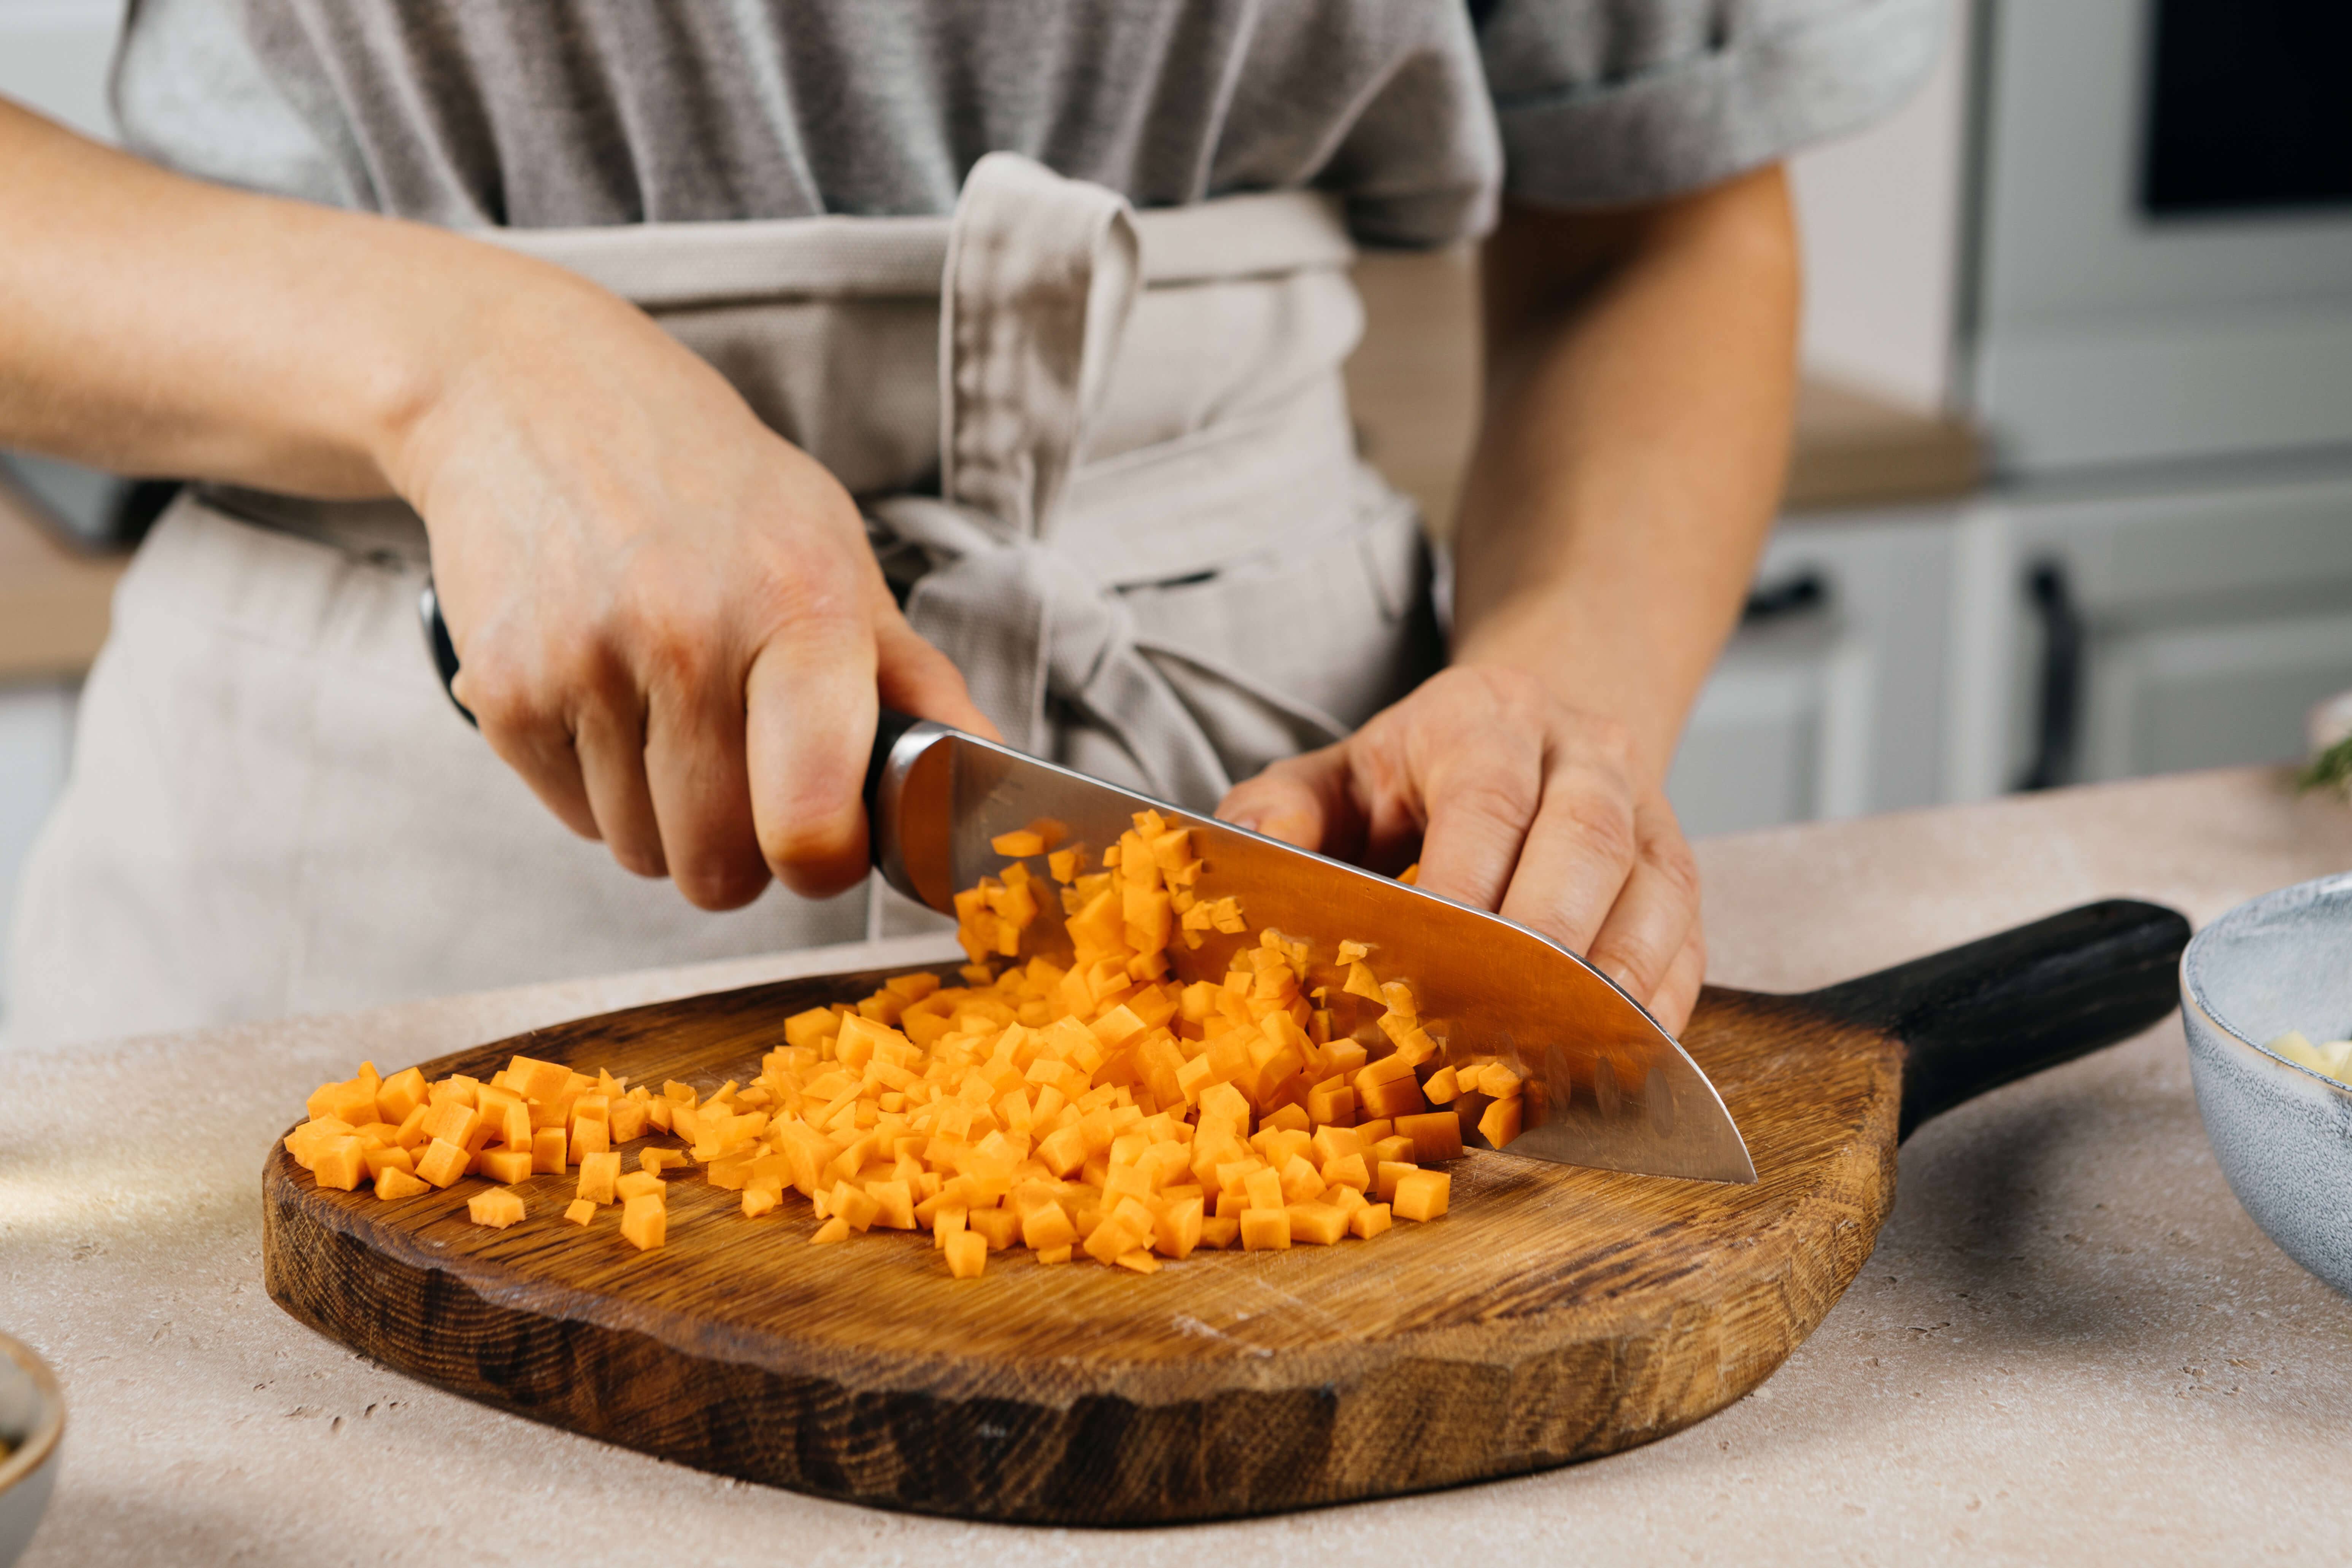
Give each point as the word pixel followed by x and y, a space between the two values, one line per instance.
pixel 33 1422
pixel 2282 1132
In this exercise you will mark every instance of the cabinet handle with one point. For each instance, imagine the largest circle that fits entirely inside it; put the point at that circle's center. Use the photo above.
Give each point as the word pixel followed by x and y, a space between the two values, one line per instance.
pixel 1790 597
pixel 2058 720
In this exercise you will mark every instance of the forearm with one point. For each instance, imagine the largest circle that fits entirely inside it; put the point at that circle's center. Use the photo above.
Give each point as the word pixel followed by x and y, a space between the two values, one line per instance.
pixel 1640 392
pixel 158 324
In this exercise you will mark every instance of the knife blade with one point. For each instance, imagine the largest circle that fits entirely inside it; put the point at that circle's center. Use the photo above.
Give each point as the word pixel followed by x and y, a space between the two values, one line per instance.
pixel 1603 1084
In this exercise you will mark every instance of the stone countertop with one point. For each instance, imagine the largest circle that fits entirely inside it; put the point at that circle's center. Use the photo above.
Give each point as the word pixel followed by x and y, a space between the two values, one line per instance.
pixel 2071 1343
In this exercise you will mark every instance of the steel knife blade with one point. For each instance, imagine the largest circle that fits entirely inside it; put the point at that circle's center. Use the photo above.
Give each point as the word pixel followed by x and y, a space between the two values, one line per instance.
pixel 1604 1085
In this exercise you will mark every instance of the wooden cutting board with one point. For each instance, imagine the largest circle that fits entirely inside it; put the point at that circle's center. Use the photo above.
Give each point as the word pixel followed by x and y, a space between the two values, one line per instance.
pixel 1555 1314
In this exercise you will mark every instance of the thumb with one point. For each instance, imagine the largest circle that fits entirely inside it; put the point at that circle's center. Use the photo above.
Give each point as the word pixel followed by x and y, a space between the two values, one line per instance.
pixel 1303 800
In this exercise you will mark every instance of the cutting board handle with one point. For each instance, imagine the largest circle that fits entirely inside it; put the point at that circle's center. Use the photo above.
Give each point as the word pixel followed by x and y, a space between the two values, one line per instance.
pixel 1978 1017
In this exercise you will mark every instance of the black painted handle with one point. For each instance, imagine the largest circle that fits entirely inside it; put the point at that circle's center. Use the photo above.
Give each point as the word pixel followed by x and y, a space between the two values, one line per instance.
pixel 1979 1017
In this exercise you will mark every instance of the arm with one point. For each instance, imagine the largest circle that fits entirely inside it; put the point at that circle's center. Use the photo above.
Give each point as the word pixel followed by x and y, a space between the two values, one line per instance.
pixel 1641 378
pixel 671 621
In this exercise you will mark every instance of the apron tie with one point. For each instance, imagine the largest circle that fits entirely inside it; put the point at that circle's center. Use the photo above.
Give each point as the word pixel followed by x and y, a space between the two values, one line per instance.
pixel 1041 274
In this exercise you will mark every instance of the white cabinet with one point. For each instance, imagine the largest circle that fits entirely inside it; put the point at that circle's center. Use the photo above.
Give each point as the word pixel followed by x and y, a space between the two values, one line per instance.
pixel 1830 699
pixel 2206 618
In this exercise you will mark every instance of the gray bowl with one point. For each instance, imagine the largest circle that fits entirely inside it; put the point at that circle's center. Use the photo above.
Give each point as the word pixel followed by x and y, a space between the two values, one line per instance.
pixel 2282 1132
pixel 33 1420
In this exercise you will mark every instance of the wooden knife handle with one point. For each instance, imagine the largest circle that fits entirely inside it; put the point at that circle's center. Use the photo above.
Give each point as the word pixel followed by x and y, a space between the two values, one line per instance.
pixel 1980 1016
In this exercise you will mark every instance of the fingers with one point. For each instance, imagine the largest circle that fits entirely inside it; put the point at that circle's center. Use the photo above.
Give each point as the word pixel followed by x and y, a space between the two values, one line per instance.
pixel 1678 993
pixel 1301 800
pixel 1656 908
pixel 610 738
pixel 811 704
pixel 530 737
pixel 915 677
pixel 695 774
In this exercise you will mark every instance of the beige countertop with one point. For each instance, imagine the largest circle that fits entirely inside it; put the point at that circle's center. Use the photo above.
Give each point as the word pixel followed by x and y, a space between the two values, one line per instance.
pixel 2071 1343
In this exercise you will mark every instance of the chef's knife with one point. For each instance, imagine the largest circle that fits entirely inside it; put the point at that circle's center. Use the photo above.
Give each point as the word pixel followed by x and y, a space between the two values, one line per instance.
pixel 1604 1085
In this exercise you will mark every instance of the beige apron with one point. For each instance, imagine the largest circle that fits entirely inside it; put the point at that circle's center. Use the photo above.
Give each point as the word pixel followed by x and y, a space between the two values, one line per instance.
pixel 1109 451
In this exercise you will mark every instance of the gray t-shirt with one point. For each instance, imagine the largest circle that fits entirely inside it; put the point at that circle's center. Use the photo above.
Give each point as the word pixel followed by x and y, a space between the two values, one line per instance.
pixel 537 113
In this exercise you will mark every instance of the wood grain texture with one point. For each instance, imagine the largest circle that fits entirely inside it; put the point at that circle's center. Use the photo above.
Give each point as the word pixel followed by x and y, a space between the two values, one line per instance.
pixel 1556 1314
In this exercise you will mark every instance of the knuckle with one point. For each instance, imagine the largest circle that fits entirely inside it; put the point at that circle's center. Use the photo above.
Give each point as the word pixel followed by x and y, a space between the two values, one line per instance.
pixel 717 884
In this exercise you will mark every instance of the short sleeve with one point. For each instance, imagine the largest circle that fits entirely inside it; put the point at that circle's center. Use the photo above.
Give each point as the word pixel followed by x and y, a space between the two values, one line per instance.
pixel 1609 102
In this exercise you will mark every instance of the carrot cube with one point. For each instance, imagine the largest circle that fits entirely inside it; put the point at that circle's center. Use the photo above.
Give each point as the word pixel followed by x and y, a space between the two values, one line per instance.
pixel 1301 1182
pixel 452 1122
pixel 1443 1087
pixel 498 1208
pixel 383 1157
pixel 832 1230
pixel 626 1120
pixel 758 1201
pixel 579 1211
pixel 443 1162
pixel 895 1204
pixel 1421 1195
pixel 1047 1226
pixel 1265 1230
pixel 1140 1260
pixel 1436 1135
pixel 1370 1221
pixel 1348 1171
pixel 1318 1225
pixel 1015 844
pixel 599 1177
pixel 588 1136
pixel 1388 1174
pixel 967 1255
pixel 1501 1123
pixel 1397 1098
pixel 398 1183
pixel 657 1159
pixel 645 1222
pixel 1220 1231
pixel 507 1166
pixel 636 1185
pixel 400 1094
pixel 1398 1149
pixel 1264 1189
pixel 547 1152
pixel 1055 1254
pixel 1177 1230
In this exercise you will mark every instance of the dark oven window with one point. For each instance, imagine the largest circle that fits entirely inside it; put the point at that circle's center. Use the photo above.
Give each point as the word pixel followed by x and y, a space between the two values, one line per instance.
pixel 2250 107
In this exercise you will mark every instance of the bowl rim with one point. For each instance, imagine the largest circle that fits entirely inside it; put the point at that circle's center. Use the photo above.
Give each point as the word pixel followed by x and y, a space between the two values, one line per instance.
pixel 2192 988
pixel 33 1452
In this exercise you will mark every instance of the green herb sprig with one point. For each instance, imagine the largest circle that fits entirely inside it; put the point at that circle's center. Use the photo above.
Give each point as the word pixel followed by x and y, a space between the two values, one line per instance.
pixel 2331 770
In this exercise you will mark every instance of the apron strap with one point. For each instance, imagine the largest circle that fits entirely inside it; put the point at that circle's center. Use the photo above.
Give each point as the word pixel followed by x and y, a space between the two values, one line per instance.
pixel 1042 272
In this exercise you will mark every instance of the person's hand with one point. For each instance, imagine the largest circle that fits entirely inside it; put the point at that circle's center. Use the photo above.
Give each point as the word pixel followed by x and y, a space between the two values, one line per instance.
pixel 1514 801
pixel 668 617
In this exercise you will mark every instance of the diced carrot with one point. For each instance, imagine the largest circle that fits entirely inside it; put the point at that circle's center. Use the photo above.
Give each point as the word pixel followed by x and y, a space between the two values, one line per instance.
pixel 579 1211
pixel 443 1162
pixel 967 1254
pixel 1436 1135
pixel 399 1184
pixel 504 1165
pixel 1100 1101
pixel 1265 1230
pixel 498 1208
pixel 1421 1195
pixel 644 1221
pixel 1500 1124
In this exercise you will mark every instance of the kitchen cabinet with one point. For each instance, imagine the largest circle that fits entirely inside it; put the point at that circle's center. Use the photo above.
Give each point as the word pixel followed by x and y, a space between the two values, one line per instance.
pixel 2183 621
pixel 1830 699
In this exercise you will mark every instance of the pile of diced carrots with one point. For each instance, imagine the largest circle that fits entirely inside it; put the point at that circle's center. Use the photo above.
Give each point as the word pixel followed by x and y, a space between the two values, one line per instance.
pixel 1107 1109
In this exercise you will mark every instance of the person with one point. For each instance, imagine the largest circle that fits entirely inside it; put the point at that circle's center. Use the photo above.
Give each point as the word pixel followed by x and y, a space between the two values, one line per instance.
pixel 736 368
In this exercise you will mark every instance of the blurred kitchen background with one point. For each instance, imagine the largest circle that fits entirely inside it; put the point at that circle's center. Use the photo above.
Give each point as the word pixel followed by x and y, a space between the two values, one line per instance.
pixel 2071 497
